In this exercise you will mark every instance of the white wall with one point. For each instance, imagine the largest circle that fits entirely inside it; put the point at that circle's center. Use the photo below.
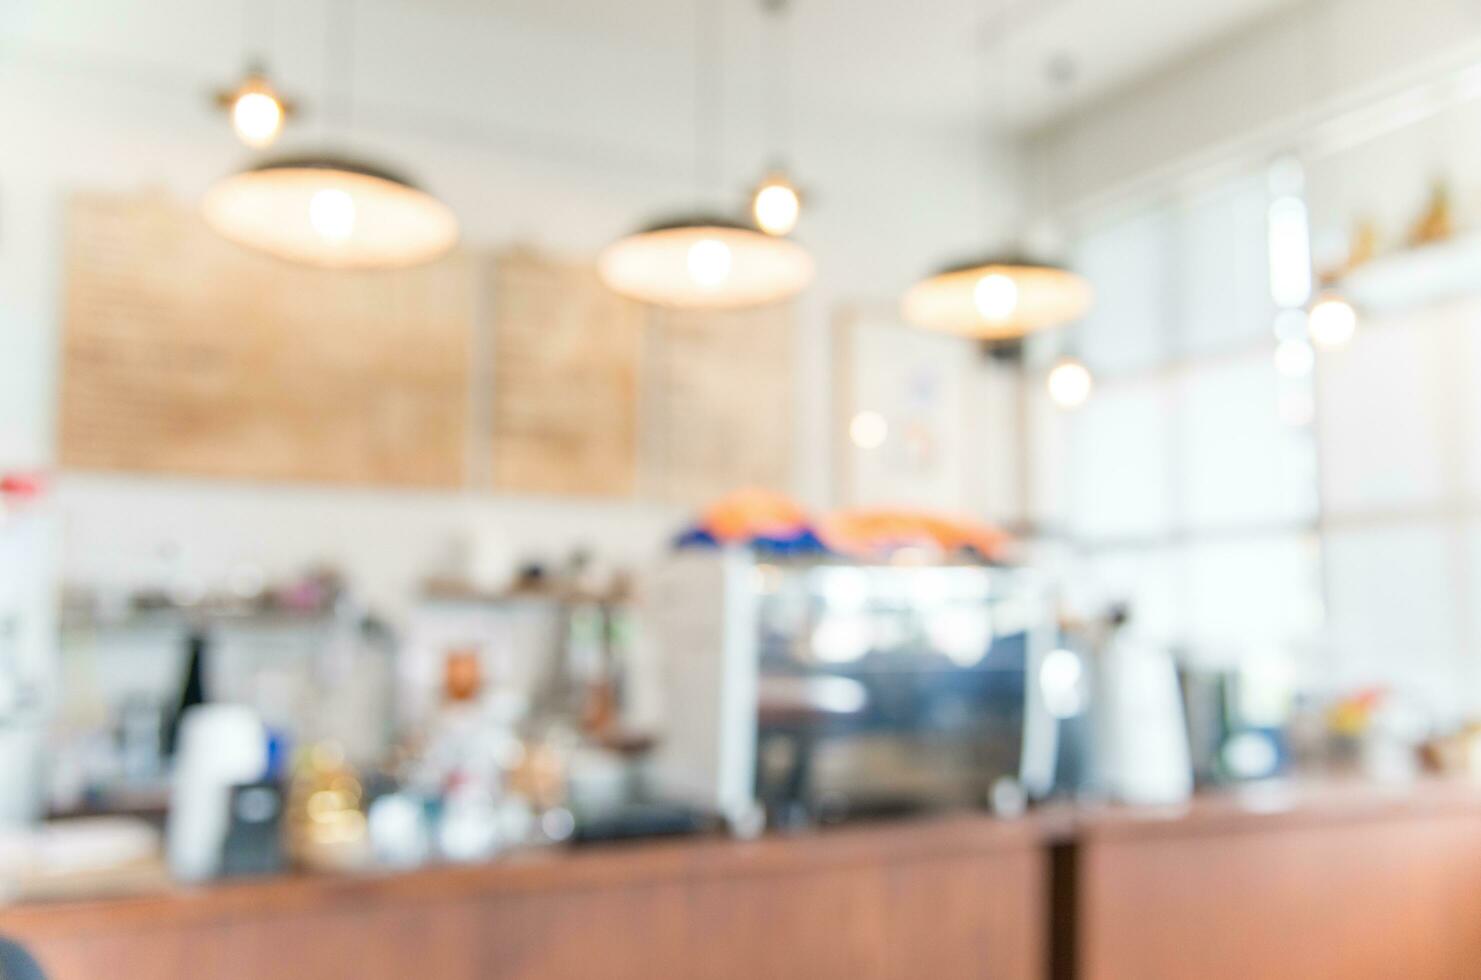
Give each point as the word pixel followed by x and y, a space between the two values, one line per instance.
pixel 1313 59
pixel 518 131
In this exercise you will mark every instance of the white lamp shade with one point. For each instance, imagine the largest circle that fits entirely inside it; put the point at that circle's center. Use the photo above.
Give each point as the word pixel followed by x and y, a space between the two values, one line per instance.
pixel 997 300
pixel 705 264
pixel 330 213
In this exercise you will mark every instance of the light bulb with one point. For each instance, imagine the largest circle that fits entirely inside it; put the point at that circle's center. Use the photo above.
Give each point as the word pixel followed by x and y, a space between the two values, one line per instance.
pixel 709 262
pixel 257 116
pixel 1332 323
pixel 1069 383
pixel 776 207
pixel 332 214
pixel 996 297
pixel 1294 358
pixel 868 430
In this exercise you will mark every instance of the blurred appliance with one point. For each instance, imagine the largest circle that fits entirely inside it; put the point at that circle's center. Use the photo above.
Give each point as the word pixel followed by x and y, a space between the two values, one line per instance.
pixel 27 652
pixel 221 747
pixel 1143 738
pixel 799 690
pixel 1117 711
pixel 1237 723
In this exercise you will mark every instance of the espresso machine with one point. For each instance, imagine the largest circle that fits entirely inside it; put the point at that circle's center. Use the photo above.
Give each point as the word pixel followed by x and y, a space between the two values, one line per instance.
pixel 807 689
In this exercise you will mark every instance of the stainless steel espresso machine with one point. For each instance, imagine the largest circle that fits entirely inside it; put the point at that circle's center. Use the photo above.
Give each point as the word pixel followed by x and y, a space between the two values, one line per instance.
pixel 805 690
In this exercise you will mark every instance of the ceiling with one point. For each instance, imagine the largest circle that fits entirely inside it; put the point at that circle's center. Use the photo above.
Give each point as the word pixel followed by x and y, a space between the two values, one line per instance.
pixel 931 59
pixel 582 63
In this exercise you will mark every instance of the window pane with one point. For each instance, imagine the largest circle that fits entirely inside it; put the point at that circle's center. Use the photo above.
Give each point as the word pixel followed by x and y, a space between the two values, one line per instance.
pixel 1252 597
pixel 1239 463
pixel 1223 289
pixel 1129 265
pixel 1394 613
pixel 1119 476
pixel 1150 581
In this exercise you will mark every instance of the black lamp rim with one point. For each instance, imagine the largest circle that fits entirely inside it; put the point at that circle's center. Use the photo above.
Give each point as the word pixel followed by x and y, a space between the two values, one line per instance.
pixel 327 162
pixel 1009 260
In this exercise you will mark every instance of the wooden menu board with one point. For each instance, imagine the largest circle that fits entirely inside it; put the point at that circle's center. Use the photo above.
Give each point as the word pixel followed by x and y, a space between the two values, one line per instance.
pixel 565 380
pixel 186 354
pixel 596 395
pixel 717 403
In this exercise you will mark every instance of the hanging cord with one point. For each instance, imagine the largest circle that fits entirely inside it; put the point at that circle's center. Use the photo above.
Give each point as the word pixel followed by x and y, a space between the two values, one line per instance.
pixel 1064 72
pixel 257 31
pixel 708 95
pixel 989 75
pixel 339 64
pixel 993 34
pixel 779 83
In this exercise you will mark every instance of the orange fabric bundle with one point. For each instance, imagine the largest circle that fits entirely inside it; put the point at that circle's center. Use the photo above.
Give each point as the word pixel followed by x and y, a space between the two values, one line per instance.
pixel 751 513
pixel 872 532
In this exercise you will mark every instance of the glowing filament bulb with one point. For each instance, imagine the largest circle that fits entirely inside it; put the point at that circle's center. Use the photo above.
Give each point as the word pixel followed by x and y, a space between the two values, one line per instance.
pixel 996 297
pixel 1069 383
pixel 776 207
pixel 332 215
pixel 709 262
pixel 1332 323
pixel 257 116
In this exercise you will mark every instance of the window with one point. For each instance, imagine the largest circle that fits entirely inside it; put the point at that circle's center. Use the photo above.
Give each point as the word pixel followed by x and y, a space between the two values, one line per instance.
pixel 1181 486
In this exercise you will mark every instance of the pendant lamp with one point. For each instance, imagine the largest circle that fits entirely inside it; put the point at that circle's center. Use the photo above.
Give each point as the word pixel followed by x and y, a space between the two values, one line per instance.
pixel 705 261
pixel 257 109
pixel 331 211
pixel 776 201
pixel 776 204
pixel 997 298
pixel 1000 297
pixel 335 213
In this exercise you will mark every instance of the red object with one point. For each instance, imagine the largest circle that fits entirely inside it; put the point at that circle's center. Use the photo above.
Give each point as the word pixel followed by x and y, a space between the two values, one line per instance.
pixel 21 484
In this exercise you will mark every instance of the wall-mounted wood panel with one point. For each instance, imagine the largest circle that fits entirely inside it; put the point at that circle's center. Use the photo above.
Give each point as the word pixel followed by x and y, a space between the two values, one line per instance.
pixel 185 354
pixel 717 403
pixel 565 361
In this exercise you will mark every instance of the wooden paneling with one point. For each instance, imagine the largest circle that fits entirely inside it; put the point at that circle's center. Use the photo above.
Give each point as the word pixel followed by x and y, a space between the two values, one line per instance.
pixel 717 403
pixel 1351 885
pixel 565 363
pixel 957 899
pixel 183 353
pixel 1374 895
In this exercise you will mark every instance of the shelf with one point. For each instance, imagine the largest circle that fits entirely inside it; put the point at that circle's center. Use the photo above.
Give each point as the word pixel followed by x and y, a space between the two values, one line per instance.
pixel 1417 277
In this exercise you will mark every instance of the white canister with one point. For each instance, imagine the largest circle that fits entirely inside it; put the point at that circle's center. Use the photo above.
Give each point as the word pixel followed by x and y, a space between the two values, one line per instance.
pixel 220 746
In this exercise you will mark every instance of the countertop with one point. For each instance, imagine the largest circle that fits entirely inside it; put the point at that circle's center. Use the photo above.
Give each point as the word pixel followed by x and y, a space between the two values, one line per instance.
pixel 1254 807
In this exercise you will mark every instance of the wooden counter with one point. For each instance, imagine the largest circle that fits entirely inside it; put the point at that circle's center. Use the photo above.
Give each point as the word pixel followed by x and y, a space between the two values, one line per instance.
pixel 959 897
pixel 1343 881
pixel 1298 881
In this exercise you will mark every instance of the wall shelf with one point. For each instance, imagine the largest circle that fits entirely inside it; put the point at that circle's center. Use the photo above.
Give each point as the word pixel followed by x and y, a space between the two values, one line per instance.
pixel 1417 277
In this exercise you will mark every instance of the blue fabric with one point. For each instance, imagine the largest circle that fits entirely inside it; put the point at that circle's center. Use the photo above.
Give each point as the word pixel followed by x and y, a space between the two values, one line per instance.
pixel 17 964
pixel 804 542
